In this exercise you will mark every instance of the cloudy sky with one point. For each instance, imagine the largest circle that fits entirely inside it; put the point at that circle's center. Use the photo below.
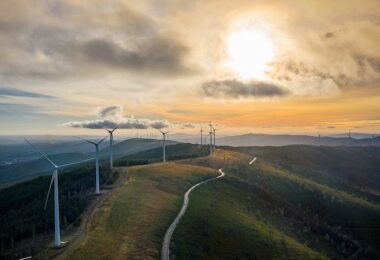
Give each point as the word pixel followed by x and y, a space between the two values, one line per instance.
pixel 72 67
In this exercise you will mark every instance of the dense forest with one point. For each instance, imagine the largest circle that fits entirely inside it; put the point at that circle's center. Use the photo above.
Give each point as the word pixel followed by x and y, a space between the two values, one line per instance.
pixel 22 213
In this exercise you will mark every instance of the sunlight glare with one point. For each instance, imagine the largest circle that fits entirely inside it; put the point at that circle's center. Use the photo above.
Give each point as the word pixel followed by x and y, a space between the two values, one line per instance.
pixel 250 52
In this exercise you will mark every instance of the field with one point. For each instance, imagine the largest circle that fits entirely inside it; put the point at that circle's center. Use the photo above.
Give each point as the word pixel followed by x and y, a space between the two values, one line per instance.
pixel 131 222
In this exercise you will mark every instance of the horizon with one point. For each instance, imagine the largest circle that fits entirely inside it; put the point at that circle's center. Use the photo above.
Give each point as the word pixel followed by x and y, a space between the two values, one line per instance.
pixel 194 135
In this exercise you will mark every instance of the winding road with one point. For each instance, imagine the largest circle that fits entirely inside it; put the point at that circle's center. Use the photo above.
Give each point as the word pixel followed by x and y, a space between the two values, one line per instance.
pixel 253 160
pixel 165 252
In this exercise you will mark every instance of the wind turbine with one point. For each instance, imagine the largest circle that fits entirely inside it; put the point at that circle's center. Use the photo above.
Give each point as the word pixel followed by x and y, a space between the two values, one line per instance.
pixel 210 138
pixel 111 145
pixel 201 136
pixel 54 178
pixel 213 129
pixel 164 135
pixel 97 186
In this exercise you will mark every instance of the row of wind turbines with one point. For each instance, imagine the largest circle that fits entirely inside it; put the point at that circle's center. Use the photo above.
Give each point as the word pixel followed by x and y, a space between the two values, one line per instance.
pixel 57 168
pixel 54 179
pixel 212 135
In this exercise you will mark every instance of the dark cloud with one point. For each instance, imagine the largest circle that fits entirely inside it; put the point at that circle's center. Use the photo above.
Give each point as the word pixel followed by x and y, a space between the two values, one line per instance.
pixel 159 54
pixel 188 125
pixel 36 45
pixel 329 35
pixel 237 89
pixel 111 110
pixel 4 91
pixel 159 124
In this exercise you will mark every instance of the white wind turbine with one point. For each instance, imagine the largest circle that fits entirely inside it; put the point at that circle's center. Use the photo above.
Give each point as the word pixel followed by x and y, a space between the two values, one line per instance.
pixel 164 136
pixel 97 186
pixel 54 178
pixel 201 136
pixel 111 145
pixel 214 130
pixel 211 138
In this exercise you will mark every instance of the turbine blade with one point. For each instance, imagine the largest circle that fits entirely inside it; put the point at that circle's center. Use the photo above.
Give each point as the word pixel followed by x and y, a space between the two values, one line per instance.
pixel 101 140
pixel 47 197
pixel 115 128
pixel 50 161
pixel 70 164
pixel 88 141
pixel 109 131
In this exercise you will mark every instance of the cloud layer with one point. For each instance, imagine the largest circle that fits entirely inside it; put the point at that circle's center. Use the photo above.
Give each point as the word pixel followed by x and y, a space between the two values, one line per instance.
pixel 238 89
pixel 124 123
pixel 4 91
pixel 112 116
pixel 38 45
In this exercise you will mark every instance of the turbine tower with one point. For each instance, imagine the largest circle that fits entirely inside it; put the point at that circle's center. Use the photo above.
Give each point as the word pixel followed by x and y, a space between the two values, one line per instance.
pixel 111 145
pixel 97 186
pixel 164 136
pixel 201 136
pixel 214 130
pixel 54 178
pixel 210 139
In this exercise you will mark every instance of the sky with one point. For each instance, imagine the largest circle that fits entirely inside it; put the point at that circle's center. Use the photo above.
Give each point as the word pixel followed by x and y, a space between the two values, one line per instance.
pixel 72 67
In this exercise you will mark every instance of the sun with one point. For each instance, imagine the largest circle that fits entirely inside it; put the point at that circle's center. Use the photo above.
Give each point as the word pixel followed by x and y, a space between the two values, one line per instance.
pixel 250 52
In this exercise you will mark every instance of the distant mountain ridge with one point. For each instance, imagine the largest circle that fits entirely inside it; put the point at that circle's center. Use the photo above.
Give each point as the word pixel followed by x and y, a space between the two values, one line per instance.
pixel 34 165
pixel 282 140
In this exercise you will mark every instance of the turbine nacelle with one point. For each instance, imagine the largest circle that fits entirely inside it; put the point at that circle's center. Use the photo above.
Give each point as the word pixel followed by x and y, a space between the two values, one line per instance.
pixel 111 143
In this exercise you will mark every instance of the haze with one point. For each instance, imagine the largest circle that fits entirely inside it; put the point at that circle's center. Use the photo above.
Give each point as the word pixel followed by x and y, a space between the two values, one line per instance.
pixel 246 66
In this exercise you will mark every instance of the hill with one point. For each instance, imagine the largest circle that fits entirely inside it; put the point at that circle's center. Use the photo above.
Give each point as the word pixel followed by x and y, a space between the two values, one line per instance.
pixel 132 220
pixel 272 210
pixel 296 202
pixel 26 228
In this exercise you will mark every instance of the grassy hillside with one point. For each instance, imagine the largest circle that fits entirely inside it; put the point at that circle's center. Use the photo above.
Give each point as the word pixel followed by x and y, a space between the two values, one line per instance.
pixel 354 170
pixel 267 210
pixel 173 152
pixel 131 222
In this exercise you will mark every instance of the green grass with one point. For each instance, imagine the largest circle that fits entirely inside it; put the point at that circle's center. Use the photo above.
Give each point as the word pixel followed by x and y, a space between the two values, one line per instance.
pixel 269 210
pixel 132 221
pixel 221 223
